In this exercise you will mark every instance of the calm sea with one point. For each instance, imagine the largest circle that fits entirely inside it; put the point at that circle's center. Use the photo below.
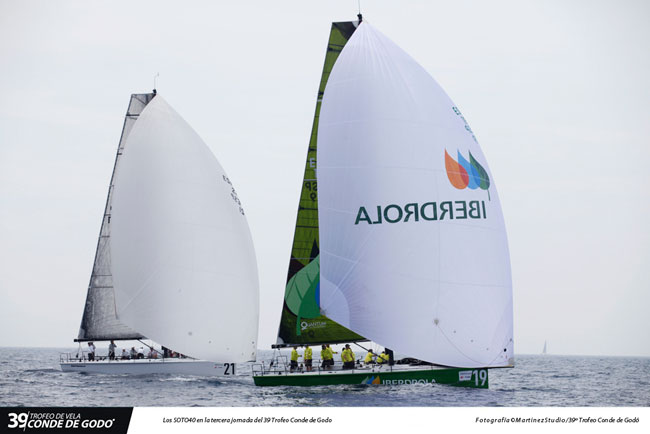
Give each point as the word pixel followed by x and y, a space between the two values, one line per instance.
pixel 31 377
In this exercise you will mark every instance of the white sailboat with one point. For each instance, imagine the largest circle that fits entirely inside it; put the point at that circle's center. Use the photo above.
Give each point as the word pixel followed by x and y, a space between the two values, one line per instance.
pixel 175 261
pixel 409 244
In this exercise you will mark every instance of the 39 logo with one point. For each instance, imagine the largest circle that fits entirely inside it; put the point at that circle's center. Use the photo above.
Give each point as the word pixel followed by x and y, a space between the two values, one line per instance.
pixel 18 420
pixel 40 420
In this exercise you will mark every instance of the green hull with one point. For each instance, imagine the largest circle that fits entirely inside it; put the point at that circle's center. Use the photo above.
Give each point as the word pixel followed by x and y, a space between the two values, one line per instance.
pixel 461 377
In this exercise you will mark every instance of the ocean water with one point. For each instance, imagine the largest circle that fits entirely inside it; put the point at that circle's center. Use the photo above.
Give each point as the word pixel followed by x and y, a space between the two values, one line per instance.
pixel 31 377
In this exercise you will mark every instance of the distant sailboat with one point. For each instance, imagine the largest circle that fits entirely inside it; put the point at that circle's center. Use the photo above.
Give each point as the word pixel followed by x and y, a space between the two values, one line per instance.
pixel 400 237
pixel 175 260
pixel 544 349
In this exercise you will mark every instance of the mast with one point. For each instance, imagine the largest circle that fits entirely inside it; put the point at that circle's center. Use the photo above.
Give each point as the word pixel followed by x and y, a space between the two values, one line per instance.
pixel 99 320
pixel 301 321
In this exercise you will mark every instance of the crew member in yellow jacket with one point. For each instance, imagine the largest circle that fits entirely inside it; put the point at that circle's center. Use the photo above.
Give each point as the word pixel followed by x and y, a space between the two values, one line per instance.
pixel 327 357
pixel 308 358
pixel 370 358
pixel 294 359
pixel 382 358
pixel 348 357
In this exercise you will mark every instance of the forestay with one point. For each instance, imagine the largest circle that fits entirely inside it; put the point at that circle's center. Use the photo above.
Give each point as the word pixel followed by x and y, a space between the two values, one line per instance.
pixel 413 253
pixel 183 263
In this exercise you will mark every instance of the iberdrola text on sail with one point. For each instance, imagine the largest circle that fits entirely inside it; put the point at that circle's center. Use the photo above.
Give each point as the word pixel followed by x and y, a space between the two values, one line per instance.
pixel 428 211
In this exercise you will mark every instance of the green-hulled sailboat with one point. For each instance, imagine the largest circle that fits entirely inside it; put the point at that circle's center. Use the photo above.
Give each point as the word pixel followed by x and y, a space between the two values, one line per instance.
pixel 400 238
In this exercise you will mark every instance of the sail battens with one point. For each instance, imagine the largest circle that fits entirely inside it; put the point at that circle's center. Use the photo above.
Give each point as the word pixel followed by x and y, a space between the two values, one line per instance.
pixel 112 338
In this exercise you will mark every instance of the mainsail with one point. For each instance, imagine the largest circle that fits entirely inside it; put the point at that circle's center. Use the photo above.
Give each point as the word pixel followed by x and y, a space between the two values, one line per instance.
pixel 413 247
pixel 182 257
pixel 99 320
pixel 301 321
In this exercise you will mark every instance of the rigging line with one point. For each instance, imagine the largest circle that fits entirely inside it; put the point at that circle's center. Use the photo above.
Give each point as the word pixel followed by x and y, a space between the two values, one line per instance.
pixel 363 347
pixel 152 347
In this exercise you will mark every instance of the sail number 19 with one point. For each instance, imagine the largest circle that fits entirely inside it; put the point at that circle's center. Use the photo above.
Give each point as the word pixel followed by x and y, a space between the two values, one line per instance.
pixel 480 375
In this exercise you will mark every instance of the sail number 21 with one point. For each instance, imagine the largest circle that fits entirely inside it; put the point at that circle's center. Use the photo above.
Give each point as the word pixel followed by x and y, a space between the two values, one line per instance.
pixel 230 369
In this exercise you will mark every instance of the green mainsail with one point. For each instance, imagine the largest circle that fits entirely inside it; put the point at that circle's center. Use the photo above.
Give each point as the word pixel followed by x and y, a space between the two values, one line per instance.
pixel 302 322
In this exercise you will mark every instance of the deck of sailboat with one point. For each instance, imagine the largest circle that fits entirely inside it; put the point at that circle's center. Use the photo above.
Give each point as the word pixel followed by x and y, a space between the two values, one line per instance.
pixel 146 366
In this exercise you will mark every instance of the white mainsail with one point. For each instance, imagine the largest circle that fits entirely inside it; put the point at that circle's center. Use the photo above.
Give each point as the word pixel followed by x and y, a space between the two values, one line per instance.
pixel 183 263
pixel 99 320
pixel 413 248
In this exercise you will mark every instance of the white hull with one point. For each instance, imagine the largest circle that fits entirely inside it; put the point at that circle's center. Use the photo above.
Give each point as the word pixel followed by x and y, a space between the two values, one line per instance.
pixel 152 366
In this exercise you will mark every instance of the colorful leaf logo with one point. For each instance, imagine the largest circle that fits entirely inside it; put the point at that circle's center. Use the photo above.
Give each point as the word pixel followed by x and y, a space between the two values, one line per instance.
pixel 482 173
pixel 302 293
pixel 371 380
pixel 456 173
pixel 466 174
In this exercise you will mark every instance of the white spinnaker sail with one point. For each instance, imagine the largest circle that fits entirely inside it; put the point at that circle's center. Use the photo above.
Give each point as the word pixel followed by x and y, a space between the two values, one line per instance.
pixel 438 290
pixel 184 267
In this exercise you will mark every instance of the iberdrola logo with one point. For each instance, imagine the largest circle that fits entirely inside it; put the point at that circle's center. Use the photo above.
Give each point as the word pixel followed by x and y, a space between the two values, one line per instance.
pixel 371 380
pixel 466 174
